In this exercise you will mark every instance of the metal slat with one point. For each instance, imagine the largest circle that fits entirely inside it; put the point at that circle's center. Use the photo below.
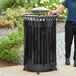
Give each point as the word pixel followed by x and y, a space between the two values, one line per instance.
pixel 52 46
pixel 35 46
pixel 35 43
pixel 32 44
pixel 27 45
pixel 29 34
pixel 39 43
pixel 47 46
pixel 50 43
pixel 25 42
pixel 55 41
pixel 54 35
pixel 42 46
pixel 30 52
pixel 30 41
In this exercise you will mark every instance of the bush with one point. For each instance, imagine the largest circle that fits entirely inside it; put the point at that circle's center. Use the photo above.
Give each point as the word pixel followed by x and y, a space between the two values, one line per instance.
pixel 3 21
pixel 9 46
pixel 16 3
pixel 28 4
pixel 13 16
pixel 11 55
pixel 12 3
pixel 52 5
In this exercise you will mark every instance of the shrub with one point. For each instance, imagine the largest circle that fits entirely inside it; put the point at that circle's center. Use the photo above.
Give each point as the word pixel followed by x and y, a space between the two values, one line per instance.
pixel 3 21
pixel 9 46
pixel 11 55
pixel 52 5
pixel 28 4
pixel 12 3
pixel 14 16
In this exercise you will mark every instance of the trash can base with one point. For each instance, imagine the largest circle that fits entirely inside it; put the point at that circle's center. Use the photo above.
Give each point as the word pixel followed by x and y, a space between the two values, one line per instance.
pixel 40 68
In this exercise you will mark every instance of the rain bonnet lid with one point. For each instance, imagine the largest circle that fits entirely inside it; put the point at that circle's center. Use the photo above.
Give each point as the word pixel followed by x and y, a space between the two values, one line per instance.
pixel 40 9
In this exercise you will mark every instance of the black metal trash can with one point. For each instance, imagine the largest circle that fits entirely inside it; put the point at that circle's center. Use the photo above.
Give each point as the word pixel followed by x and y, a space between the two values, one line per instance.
pixel 39 42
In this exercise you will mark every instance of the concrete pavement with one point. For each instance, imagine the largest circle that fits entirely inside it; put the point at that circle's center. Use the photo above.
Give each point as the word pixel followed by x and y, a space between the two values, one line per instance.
pixel 63 70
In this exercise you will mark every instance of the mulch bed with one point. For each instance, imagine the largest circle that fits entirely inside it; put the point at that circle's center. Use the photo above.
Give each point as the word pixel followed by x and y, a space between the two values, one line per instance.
pixel 5 63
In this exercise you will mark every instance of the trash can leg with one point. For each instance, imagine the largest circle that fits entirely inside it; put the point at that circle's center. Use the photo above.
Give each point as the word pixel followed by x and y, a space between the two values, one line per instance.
pixel 56 68
pixel 24 69
pixel 38 73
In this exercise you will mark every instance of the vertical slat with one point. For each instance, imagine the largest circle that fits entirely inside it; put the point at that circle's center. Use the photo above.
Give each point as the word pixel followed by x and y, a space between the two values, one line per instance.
pixel 30 51
pixel 43 48
pixel 39 43
pixel 31 39
pixel 48 41
pixel 44 44
pixel 29 34
pixel 48 45
pixel 25 42
pixel 32 44
pixel 35 42
pixel 55 42
pixel 54 35
pixel 53 39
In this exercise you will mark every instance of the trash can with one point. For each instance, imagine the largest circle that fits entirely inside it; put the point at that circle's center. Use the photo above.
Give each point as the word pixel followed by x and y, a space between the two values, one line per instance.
pixel 39 41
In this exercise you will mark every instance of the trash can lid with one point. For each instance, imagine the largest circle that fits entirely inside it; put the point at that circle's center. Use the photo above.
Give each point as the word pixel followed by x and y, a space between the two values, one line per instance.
pixel 40 9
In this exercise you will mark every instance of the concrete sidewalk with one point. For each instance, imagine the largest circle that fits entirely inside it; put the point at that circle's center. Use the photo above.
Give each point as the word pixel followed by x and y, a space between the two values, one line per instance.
pixel 63 70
